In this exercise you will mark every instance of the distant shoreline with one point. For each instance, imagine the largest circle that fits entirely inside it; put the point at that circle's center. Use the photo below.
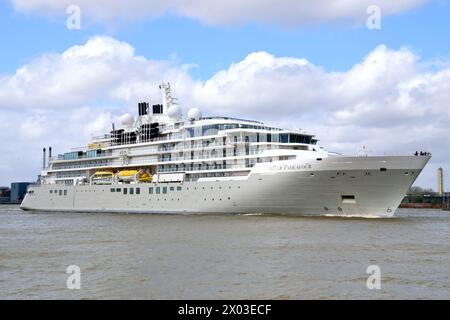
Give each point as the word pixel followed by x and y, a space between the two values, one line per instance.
pixel 420 206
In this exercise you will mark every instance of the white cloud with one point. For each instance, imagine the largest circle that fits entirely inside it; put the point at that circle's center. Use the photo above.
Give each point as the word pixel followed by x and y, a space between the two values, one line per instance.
pixel 391 102
pixel 80 73
pixel 225 12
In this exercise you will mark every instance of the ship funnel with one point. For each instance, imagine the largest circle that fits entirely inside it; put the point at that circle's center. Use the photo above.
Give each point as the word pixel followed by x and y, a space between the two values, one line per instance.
pixel 143 108
pixel 43 158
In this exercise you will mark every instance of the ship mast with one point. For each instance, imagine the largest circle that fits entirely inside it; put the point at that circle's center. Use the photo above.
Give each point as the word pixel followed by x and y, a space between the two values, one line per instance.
pixel 167 98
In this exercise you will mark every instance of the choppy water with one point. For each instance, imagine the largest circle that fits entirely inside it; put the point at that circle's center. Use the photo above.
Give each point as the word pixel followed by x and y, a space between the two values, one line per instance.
pixel 223 257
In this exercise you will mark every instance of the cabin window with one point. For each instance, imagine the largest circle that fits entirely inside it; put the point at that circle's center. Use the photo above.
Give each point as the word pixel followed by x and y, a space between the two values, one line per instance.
pixel 348 199
pixel 383 169
pixel 65 192
pixel 113 189
pixel 118 189
pixel 138 190
pixel 164 190
pixel 125 190
pixel 158 190
pixel 60 192
pixel 150 190
pixel 131 191
pixel 178 188
pixel 284 138
pixel 51 191
pixel 172 188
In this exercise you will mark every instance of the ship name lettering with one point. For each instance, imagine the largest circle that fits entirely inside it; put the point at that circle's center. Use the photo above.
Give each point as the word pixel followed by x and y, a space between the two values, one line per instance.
pixel 288 167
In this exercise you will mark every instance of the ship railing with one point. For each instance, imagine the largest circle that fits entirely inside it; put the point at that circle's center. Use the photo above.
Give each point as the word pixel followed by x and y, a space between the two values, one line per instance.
pixel 180 137
pixel 204 168
pixel 170 137
pixel 101 155
pixel 206 157
pixel 70 175
pixel 77 166
pixel 34 185
pixel 101 137
pixel 188 147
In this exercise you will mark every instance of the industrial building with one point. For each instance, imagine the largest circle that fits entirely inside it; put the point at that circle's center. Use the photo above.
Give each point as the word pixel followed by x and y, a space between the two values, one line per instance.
pixel 5 194
pixel 15 194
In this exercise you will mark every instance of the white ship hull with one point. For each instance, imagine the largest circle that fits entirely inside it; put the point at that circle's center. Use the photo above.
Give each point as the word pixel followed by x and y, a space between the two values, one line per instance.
pixel 342 186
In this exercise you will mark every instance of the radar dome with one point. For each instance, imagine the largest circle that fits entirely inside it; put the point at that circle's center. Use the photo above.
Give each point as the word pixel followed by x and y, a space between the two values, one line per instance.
pixel 127 120
pixel 174 112
pixel 194 114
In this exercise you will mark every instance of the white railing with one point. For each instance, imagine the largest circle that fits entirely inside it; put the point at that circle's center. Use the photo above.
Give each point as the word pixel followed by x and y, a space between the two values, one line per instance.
pixel 101 155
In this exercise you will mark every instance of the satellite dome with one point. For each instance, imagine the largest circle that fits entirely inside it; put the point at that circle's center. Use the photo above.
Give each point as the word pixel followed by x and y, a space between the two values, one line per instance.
pixel 174 112
pixel 127 120
pixel 194 114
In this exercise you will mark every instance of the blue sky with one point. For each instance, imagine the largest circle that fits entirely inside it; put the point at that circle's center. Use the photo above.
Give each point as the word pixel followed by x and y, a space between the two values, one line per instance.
pixel 333 46
pixel 324 56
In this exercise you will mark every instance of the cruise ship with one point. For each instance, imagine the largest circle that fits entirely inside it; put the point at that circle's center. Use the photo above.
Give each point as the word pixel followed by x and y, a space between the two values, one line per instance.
pixel 160 163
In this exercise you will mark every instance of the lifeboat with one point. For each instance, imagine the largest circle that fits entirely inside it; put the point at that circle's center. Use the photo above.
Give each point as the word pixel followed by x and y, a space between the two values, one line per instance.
pixel 134 175
pixel 103 173
pixel 127 175
pixel 102 177
pixel 145 177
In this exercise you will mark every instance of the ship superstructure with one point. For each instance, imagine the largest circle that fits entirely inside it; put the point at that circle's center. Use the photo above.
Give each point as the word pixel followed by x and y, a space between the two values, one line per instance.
pixel 162 163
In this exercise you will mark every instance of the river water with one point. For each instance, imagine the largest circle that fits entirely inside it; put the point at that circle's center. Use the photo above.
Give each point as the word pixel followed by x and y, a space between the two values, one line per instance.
pixel 123 256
